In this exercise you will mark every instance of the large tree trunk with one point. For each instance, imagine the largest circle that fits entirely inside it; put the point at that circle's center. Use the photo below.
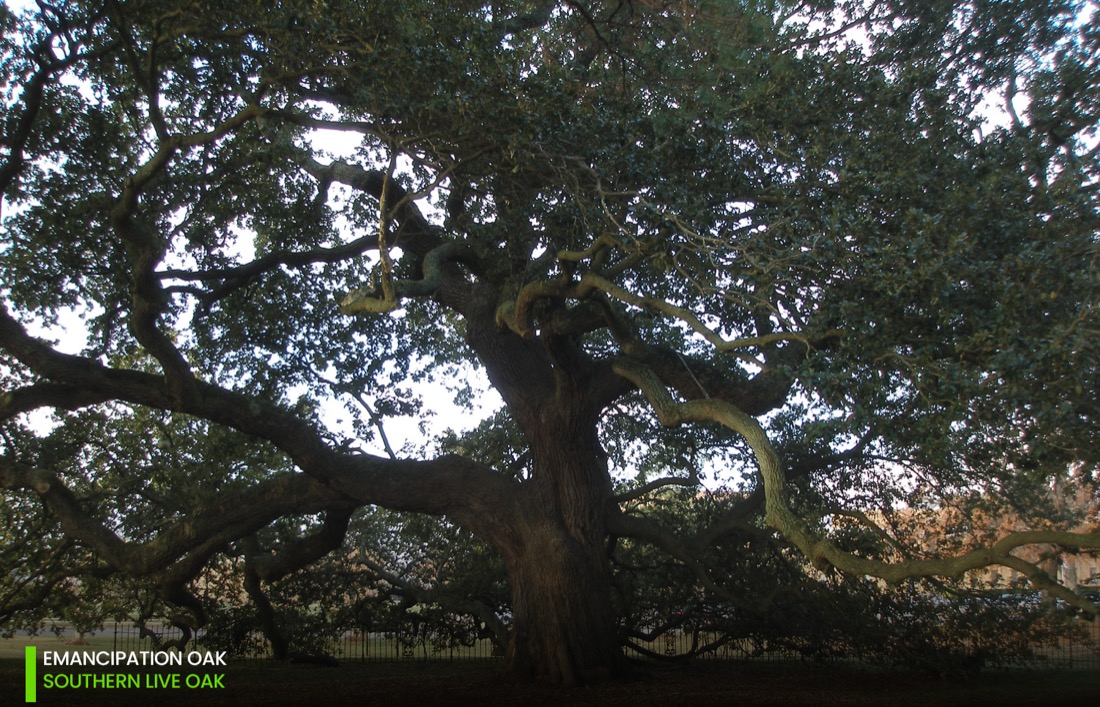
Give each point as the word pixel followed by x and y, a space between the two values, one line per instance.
pixel 564 628
pixel 564 623
pixel 555 546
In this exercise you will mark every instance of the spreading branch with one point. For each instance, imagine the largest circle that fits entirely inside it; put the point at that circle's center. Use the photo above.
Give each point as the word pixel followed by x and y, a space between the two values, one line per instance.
pixel 821 551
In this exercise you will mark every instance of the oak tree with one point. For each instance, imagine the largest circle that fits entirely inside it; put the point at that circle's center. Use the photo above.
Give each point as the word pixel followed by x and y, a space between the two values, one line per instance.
pixel 841 255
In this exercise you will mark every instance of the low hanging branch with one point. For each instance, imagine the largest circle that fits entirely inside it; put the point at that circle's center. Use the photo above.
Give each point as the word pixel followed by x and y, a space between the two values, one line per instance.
pixel 822 552
pixel 198 537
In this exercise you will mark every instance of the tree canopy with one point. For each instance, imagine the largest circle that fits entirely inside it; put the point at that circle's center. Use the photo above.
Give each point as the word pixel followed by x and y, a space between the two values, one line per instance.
pixel 839 258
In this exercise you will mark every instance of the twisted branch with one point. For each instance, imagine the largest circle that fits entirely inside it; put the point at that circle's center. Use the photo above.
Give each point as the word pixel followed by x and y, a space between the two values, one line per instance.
pixel 376 302
pixel 822 552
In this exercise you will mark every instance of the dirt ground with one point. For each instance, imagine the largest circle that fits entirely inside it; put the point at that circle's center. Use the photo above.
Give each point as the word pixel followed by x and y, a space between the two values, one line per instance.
pixel 695 684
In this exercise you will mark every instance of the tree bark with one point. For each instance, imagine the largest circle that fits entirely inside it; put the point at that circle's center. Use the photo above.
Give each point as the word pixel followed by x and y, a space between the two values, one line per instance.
pixel 564 623
pixel 564 629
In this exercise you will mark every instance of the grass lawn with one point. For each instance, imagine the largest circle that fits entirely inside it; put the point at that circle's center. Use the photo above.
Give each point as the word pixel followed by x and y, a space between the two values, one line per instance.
pixel 478 682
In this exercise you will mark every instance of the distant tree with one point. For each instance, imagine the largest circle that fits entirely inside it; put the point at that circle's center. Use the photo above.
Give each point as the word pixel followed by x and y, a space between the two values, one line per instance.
pixel 788 244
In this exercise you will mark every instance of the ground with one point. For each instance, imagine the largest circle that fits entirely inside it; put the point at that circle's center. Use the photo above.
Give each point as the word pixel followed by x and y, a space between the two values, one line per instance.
pixel 478 682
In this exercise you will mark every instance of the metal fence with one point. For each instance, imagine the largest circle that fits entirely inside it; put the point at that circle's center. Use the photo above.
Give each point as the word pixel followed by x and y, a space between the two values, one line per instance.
pixel 350 645
pixel 356 645
pixel 1062 654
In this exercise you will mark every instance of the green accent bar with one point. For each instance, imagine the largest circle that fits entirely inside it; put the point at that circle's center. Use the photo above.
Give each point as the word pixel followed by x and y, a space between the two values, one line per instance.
pixel 32 674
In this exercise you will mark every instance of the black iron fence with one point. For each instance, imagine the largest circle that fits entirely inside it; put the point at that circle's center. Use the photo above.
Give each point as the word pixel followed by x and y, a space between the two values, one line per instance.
pixel 1062 653
pixel 1081 652
pixel 350 645
pixel 1078 652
